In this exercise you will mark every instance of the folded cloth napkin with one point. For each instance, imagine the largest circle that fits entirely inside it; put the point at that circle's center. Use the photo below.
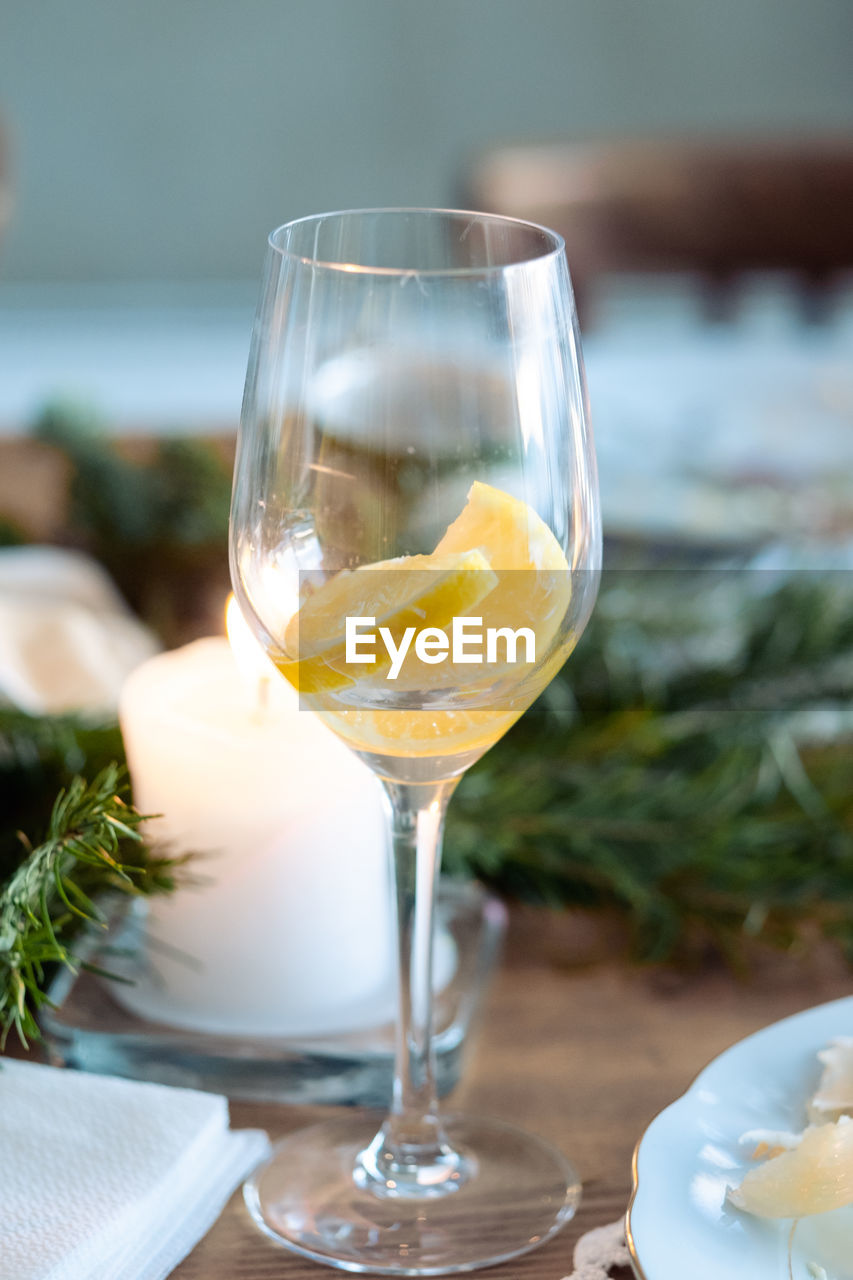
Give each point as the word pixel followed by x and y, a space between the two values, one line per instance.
pixel 107 1179
pixel 67 639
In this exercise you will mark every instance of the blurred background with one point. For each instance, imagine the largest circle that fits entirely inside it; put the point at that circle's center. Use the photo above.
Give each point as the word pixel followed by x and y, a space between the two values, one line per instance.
pixel 149 149
pixel 698 160
pixel 161 142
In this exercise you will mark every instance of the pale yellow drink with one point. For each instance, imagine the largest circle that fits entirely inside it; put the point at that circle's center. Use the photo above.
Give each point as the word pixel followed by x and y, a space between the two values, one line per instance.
pixel 498 562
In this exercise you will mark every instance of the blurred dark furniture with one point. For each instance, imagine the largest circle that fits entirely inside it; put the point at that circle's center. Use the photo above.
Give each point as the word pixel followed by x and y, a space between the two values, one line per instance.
pixel 715 207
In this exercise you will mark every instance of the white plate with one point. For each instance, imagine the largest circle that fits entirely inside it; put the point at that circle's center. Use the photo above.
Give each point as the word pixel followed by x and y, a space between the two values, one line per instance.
pixel 679 1224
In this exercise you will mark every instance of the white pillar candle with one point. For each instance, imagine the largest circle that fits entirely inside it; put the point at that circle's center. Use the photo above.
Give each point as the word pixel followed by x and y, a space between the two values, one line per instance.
pixel 291 931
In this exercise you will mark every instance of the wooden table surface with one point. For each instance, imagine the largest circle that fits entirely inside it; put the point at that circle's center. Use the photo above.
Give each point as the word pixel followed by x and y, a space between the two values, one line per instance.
pixel 584 1053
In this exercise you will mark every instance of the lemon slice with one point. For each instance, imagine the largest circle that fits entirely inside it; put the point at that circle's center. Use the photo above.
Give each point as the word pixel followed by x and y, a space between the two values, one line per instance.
pixel 813 1178
pixel 506 529
pixel 535 585
pixel 499 560
pixel 411 591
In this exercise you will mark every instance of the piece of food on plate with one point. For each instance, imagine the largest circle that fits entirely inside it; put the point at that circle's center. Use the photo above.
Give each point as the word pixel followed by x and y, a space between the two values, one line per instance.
pixel 813 1177
pixel 834 1096
pixel 810 1172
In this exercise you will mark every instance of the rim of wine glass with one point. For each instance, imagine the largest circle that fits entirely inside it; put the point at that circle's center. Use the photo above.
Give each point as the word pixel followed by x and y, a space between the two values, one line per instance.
pixel 557 243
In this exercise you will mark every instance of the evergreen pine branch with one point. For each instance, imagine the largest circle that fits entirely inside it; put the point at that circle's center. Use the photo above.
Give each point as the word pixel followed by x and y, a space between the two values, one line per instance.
pixel 53 891
pixel 159 524
pixel 177 500
pixel 39 756
pixel 690 768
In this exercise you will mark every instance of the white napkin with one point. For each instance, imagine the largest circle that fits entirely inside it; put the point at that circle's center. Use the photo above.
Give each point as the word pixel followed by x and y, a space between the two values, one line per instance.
pixel 67 639
pixel 101 1177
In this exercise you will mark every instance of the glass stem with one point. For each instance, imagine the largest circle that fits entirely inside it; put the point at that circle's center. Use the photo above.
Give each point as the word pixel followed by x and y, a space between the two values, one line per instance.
pixel 410 1156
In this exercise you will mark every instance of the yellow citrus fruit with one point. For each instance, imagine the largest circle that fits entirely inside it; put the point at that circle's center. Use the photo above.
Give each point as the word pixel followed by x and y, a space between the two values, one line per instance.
pixel 499 560
pixel 411 591
pixel 509 532
pixel 534 587
pixel 427 733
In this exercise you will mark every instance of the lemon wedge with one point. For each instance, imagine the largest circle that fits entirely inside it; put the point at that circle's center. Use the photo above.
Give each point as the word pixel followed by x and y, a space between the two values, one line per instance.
pixel 535 584
pixel 499 560
pixel 506 529
pixel 410 591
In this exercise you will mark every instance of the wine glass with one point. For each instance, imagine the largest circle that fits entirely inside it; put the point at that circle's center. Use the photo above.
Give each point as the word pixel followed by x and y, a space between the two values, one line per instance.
pixel 415 449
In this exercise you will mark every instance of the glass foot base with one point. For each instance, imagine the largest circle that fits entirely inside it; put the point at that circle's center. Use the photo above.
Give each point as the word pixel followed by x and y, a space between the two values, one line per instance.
pixel 519 1193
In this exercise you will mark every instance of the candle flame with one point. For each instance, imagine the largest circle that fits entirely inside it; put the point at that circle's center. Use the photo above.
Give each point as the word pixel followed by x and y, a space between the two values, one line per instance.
pixel 252 662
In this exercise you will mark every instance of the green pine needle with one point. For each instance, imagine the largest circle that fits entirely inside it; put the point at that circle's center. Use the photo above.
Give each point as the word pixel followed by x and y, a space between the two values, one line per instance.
pixel 53 891
pixel 690 768
pixel 158 524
